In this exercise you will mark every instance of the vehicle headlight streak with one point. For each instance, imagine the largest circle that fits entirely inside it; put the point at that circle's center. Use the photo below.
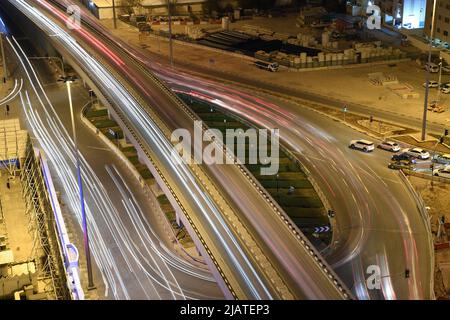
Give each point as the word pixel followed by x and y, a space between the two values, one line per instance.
pixel 58 156
pixel 153 134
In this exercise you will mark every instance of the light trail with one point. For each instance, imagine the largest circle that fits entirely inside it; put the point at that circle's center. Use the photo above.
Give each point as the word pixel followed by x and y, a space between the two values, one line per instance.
pixel 205 205
pixel 58 147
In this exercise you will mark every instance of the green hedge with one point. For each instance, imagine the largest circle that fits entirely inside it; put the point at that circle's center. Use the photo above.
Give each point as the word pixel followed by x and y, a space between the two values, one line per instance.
pixel 145 173
pixel 297 201
pixel 97 113
pixel 162 199
pixel 104 123
pixel 133 159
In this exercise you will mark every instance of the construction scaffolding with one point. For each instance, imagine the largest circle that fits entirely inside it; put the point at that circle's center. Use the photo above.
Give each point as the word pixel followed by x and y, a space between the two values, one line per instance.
pixel 12 145
pixel 46 246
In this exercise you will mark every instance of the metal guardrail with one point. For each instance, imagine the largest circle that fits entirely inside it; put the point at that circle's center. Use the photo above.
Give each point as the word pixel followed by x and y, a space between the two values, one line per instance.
pixel 136 138
pixel 426 176
pixel 426 218
pixel 304 242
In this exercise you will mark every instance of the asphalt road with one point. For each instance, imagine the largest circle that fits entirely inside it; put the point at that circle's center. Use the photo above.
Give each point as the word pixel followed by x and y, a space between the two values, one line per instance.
pixel 366 226
pixel 133 255
pixel 378 222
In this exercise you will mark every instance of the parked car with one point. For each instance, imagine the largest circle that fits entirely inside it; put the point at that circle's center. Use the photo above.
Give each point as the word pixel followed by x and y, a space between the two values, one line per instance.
pixel 418 153
pixel 361 144
pixel 403 156
pixel 446 69
pixel 432 67
pixel 401 164
pixel 431 84
pixel 442 158
pixel 270 66
pixel 445 90
pixel 389 146
pixel 442 172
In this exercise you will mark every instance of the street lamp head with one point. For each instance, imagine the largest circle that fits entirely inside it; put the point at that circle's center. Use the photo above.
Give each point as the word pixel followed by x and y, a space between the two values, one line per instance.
pixel 69 78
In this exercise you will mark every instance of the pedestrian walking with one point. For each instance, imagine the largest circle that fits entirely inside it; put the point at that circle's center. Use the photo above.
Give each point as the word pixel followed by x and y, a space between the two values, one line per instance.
pixel 7 109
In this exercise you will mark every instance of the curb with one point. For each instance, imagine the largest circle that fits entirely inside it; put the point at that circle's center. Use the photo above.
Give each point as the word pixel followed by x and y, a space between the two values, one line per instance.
pixel 424 214
pixel 147 190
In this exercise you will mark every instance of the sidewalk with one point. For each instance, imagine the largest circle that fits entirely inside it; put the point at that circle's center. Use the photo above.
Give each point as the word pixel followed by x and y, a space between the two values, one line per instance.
pixel 350 84
pixel 438 198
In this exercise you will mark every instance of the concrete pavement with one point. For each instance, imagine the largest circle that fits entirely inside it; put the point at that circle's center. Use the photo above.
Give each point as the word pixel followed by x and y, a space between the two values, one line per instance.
pixel 346 85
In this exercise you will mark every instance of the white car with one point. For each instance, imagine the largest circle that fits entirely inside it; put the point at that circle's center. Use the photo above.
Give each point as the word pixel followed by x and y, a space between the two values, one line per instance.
pixel 445 90
pixel 431 84
pixel 432 67
pixel 446 69
pixel 442 158
pixel 443 172
pixel 361 144
pixel 417 153
pixel 389 146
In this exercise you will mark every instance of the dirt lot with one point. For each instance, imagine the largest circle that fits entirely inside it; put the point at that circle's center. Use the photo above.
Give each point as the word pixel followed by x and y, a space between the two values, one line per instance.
pixel 438 198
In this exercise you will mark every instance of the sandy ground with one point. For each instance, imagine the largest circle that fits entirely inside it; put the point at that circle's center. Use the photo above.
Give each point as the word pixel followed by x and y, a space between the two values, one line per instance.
pixel 438 199
pixel 349 84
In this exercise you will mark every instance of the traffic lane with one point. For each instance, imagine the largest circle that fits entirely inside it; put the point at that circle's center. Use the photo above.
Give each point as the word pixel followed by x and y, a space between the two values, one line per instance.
pixel 294 264
pixel 391 196
pixel 215 75
pixel 184 177
pixel 394 198
pixel 363 171
pixel 96 153
pixel 246 200
pixel 89 144
pixel 311 147
pixel 134 289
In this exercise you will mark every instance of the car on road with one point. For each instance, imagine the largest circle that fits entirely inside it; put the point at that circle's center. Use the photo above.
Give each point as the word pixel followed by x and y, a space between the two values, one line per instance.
pixel 401 164
pixel 361 144
pixel 418 153
pixel 403 156
pixel 442 172
pixel 446 69
pixel 389 146
pixel 431 84
pixel 442 158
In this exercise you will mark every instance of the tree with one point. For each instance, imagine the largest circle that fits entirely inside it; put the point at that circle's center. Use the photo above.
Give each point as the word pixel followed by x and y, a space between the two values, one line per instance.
pixel 129 5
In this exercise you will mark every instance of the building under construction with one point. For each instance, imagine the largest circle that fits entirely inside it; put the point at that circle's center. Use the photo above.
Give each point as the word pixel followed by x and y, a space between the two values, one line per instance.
pixel 32 265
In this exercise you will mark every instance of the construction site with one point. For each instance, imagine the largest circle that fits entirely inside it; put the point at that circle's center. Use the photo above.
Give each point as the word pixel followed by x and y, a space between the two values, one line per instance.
pixel 32 263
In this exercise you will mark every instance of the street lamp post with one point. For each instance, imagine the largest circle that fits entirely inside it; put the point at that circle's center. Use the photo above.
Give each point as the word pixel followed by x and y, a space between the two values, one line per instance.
pixel 169 13
pixel 278 196
pixel 5 72
pixel 439 80
pixel 68 80
pixel 427 82
pixel 114 13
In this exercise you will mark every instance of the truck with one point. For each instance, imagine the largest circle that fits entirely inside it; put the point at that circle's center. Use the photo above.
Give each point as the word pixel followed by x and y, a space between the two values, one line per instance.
pixel 270 66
